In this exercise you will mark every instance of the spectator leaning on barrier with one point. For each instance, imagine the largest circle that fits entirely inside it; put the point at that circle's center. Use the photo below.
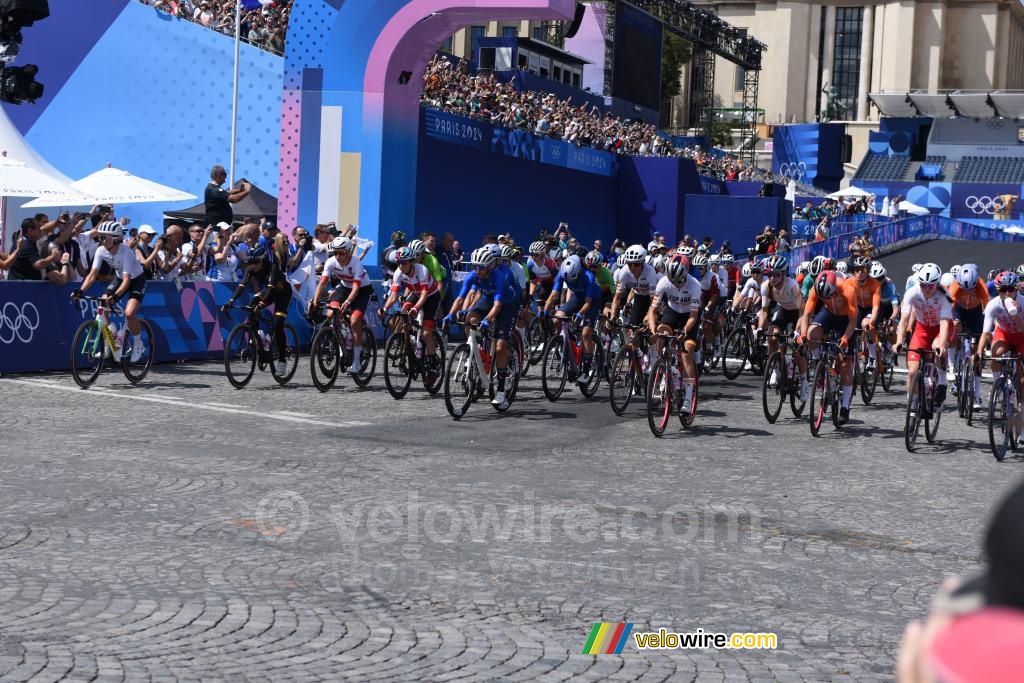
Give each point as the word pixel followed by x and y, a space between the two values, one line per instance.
pixel 218 201
pixel 782 241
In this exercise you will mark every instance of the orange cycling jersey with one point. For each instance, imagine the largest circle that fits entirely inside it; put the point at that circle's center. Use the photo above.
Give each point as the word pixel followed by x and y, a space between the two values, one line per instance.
pixel 868 294
pixel 969 298
pixel 842 303
pixel 800 278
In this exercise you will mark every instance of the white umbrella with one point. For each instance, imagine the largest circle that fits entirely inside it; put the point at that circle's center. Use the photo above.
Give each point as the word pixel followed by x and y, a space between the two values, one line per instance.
pixel 20 180
pixel 912 209
pixel 114 186
pixel 851 191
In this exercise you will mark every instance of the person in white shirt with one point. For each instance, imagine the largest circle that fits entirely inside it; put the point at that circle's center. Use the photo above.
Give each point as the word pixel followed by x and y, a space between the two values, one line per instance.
pixel 934 315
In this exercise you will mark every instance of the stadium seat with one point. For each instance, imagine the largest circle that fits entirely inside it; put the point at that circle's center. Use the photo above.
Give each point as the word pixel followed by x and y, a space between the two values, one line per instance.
pixel 882 167
pixel 978 169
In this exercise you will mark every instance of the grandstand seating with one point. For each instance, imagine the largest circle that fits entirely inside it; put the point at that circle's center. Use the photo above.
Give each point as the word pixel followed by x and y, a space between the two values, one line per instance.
pixel 912 169
pixel 882 167
pixel 976 169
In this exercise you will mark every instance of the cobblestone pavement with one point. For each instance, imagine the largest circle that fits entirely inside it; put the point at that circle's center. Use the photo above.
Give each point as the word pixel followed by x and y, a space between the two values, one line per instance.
pixel 185 530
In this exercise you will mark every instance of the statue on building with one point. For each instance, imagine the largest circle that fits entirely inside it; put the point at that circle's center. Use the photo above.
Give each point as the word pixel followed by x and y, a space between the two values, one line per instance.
pixel 835 108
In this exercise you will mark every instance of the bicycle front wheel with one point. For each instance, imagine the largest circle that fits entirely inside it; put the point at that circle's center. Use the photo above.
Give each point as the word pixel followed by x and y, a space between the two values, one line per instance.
pixel 240 353
pixel 819 398
pixel 460 382
pixel 368 359
pixel 136 371
pixel 397 369
pixel 1000 417
pixel 433 366
pixel 555 371
pixel 734 355
pixel 869 382
pixel 688 411
pixel 773 391
pixel 537 338
pixel 597 365
pixel 324 361
pixel 915 408
pixel 621 379
pixel 87 353
pixel 659 397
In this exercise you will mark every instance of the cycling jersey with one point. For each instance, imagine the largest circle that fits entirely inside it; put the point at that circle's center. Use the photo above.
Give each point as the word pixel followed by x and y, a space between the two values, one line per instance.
pixel 495 287
pixel 911 281
pixel 433 267
pixel 787 294
pixel 124 262
pixel 641 286
pixel 969 298
pixel 806 286
pixel 930 310
pixel 842 304
pixel 722 277
pixel 751 289
pixel 707 280
pixel 681 299
pixel 585 287
pixel 867 293
pixel 418 280
pixel 511 277
pixel 605 279
pixel 997 318
pixel 889 292
pixel 347 275
pixel 543 272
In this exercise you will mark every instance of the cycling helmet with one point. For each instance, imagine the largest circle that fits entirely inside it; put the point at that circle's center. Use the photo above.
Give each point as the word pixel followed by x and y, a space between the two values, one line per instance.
pixel 727 259
pixel 570 270
pixel 677 270
pixel 635 254
pixel 702 249
pixel 747 270
pixel 593 259
pixel 947 280
pixel 495 248
pixel 621 261
pixel 687 251
pixel 1007 279
pixel 110 229
pixel 507 252
pixel 954 270
pixel 258 253
pixel 343 244
pixel 517 253
pixel 825 285
pixel 1020 270
pixel 562 255
pixel 417 247
pixel 916 267
pixel 700 261
pixel 777 264
pixel 483 258
pixel 967 277
pixel 929 274
pixel 803 267
pixel 404 255
pixel 816 266
pixel 841 267
pixel 658 263
pixel 538 248
pixel 713 259
pixel 878 271
pixel 860 262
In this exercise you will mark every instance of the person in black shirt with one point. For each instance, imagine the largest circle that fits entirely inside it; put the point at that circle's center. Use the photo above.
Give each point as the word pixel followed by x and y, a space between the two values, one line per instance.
pixel 218 200
pixel 25 262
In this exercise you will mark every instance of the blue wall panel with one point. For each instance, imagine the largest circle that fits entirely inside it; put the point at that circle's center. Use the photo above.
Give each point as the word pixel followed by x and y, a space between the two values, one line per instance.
pixel 736 219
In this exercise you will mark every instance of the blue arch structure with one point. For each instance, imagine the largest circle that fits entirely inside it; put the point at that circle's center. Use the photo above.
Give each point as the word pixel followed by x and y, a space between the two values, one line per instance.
pixel 349 129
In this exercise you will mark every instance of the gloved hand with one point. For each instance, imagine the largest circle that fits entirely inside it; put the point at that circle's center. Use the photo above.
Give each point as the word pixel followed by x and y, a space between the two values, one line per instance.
pixel 76 295
pixel 461 315
pixel 485 325
pixel 448 319
pixel 112 299
pixel 844 343
pixel 578 319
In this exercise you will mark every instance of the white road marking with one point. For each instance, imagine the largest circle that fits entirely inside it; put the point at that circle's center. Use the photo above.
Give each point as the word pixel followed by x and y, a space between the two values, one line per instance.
pixel 215 407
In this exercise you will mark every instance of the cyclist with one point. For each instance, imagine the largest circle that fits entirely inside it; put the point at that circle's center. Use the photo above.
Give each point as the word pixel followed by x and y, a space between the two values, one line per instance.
pixel 732 274
pixel 676 297
pixel 638 277
pixel 1004 326
pixel 350 290
pixel 869 299
pixel 425 258
pixel 594 262
pixel 818 265
pixel 912 280
pixel 888 310
pixel 749 296
pixel 832 307
pixel 495 303
pixel 540 272
pixel 583 306
pixel 934 315
pixel 129 279
pixel 801 272
pixel 711 293
pixel 970 296
pixel 266 270
pixel 423 293
pixel 781 304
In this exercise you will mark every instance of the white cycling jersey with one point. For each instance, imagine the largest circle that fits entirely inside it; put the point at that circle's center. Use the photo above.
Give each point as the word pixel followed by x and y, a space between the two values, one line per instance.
pixel 751 289
pixel 709 280
pixel 123 262
pixel 788 294
pixel 642 285
pixel 930 310
pixel 996 316
pixel 682 299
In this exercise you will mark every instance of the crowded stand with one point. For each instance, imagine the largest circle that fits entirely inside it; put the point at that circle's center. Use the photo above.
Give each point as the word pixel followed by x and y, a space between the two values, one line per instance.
pixel 264 23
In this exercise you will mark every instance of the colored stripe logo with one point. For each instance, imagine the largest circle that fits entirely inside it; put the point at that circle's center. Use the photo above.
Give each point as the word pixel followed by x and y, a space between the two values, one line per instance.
pixel 607 638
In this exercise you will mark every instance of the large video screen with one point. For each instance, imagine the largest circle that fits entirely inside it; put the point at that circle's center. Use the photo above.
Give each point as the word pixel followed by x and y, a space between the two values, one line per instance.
pixel 637 69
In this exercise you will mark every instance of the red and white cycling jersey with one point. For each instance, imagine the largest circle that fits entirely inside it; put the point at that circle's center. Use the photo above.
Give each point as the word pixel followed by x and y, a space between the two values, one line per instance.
pixel 930 310
pixel 641 286
pixel 347 275
pixel 418 280
pixel 708 281
pixel 680 299
pixel 996 316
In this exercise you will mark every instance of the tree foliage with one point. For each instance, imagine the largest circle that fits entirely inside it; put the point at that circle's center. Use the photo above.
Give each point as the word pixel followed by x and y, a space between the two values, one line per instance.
pixel 675 53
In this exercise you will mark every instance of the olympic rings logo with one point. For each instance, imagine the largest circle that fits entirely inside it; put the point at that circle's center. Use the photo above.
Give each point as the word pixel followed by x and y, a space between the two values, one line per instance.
pixel 18 323
pixel 795 170
pixel 983 205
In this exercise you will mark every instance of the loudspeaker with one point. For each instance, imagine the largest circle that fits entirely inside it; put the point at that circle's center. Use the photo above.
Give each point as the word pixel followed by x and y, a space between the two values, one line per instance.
pixel 576 21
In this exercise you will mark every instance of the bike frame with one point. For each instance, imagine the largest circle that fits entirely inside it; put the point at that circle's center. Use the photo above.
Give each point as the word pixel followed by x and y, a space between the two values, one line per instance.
pixel 109 342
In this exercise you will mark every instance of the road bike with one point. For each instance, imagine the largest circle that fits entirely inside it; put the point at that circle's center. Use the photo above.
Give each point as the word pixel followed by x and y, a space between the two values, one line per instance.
pixel 965 369
pixel 472 370
pixel 826 390
pixel 743 347
pixel 563 362
pixel 665 387
pixel 405 357
pixel 781 379
pixel 248 346
pixel 538 332
pixel 1004 407
pixel 332 349
pixel 97 340
pixel 628 375
pixel 865 372
pixel 921 405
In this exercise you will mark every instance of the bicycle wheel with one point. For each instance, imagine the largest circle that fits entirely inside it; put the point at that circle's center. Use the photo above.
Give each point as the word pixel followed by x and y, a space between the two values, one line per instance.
pixel 555 371
pixel 88 352
pixel 511 382
pixel 537 337
pixel 621 379
pixel 795 404
pixel 397 367
pixel 735 353
pixel 368 359
pixel 834 398
pixel 433 368
pixel 515 340
pixel 869 382
pixel 291 355
pixel 773 392
pixel 819 405
pixel 931 426
pixel 324 361
pixel 616 340
pixel 240 353
pixel 912 424
pixel 597 365
pixel 890 363
pixel 659 397
pixel 969 396
pixel 687 412
pixel 136 371
pixel 460 382
pixel 1000 417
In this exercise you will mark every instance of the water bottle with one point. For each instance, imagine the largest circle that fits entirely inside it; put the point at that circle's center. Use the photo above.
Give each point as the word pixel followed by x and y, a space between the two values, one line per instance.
pixel 264 340
pixel 119 335
pixel 419 347
pixel 645 363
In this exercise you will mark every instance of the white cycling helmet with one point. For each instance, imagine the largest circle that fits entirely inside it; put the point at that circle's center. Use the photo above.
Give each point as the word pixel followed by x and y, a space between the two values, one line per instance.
pixel 877 271
pixel 916 267
pixel 538 248
pixel 816 266
pixel 946 280
pixel 967 277
pixel 803 267
pixel 699 261
pixel 686 251
pixel 341 244
pixel 571 268
pixel 658 263
pixel 483 258
pixel 635 254
pixel 841 267
pixel 954 270
pixel 110 229
pixel 747 270
pixel 620 261
pixel 929 274
pixel 713 260
pixel 727 259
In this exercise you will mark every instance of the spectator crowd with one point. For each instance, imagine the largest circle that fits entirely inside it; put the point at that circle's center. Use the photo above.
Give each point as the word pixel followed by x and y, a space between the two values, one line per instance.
pixel 265 26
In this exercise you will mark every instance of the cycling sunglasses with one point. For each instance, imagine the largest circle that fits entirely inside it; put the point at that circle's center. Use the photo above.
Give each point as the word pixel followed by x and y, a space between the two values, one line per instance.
pixel 1008 288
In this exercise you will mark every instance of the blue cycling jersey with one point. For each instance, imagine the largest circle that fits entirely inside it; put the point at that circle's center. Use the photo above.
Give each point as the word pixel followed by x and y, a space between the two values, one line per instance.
pixel 585 287
pixel 506 271
pixel 495 287
pixel 889 292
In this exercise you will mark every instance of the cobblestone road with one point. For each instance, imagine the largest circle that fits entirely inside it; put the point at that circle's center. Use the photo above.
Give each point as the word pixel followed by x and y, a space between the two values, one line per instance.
pixel 185 530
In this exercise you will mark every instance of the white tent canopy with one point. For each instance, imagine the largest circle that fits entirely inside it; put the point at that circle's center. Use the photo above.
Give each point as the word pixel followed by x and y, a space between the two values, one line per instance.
pixel 912 209
pixel 12 142
pixel 851 191
pixel 114 186
pixel 17 179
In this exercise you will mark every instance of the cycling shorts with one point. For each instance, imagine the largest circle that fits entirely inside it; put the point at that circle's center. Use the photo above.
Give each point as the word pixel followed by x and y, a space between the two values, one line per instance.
pixel 972 320
pixel 573 305
pixel 136 288
pixel 784 319
pixel 884 312
pixel 341 293
pixel 677 321
pixel 922 339
pixel 830 322
pixel 1014 340
pixel 638 310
